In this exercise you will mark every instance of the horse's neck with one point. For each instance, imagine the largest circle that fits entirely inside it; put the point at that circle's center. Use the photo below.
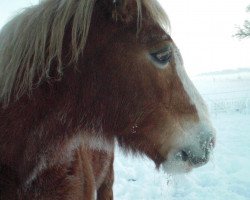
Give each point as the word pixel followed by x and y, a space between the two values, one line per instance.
pixel 8 180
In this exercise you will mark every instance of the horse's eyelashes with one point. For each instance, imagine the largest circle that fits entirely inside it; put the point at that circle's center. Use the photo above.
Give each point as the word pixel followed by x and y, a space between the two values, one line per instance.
pixel 162 57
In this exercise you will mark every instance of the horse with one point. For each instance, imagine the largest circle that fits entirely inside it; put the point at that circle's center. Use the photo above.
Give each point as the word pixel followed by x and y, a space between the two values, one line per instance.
pixel 77 77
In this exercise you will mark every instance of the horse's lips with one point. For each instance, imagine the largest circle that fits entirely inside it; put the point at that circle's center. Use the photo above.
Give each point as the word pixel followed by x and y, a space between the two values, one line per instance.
pixel 174 164
pixel 175 167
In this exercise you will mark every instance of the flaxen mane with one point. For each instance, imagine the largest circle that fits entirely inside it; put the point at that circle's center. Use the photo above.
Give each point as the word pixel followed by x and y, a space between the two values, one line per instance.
pixel 32 41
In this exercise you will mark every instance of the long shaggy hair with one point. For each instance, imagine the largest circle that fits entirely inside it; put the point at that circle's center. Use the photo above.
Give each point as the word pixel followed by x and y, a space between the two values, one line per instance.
pixel 32 42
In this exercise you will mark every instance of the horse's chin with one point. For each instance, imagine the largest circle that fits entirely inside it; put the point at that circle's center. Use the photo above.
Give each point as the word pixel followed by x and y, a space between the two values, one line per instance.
pixel 176 167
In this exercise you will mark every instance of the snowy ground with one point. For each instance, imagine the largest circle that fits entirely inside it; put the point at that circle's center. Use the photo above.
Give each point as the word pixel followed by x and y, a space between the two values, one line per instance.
pixel 227 176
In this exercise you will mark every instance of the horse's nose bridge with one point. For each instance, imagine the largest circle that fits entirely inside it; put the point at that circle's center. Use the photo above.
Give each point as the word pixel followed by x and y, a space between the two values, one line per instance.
pixel 185 98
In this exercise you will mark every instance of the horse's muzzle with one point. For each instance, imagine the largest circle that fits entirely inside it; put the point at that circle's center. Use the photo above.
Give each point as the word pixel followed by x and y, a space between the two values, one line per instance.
pixel 192 153
pixel 197 156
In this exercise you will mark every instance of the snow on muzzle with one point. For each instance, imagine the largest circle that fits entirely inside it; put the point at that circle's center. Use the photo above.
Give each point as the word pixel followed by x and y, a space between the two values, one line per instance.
pixel 190 151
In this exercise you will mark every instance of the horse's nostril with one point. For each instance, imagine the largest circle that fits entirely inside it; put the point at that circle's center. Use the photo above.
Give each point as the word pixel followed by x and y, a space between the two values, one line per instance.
pixel 194 158
pixel 199 160
pixel 184 155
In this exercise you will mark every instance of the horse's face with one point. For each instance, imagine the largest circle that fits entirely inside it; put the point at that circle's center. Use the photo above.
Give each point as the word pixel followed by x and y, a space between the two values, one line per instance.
pixel 147 100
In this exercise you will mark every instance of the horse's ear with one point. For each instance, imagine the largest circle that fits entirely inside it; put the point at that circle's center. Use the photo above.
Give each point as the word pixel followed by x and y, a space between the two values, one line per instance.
pixel 124 11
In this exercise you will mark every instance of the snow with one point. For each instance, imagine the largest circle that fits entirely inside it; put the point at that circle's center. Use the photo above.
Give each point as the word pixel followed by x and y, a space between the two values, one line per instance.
pixel 226 176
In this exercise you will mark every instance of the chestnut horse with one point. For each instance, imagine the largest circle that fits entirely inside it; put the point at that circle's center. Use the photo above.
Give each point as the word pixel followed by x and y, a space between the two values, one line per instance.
pixel 77 75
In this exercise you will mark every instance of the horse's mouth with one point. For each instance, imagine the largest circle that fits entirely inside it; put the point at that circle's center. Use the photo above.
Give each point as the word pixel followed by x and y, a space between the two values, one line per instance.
pixel 183 161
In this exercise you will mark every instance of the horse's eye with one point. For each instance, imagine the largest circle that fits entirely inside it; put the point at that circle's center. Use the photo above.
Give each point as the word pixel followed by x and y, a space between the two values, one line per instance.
pixel 163 56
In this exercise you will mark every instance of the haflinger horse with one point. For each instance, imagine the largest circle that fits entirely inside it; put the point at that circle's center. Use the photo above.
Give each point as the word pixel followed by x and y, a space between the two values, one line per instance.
pixel 75 77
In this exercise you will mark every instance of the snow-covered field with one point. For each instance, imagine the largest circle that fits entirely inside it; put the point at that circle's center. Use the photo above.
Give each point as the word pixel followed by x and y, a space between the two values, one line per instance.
pixel 225 177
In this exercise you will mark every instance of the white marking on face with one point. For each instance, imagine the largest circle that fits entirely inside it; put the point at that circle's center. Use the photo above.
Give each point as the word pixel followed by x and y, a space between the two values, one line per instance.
pixel 192 92
pixel 190 89
pixel 187 133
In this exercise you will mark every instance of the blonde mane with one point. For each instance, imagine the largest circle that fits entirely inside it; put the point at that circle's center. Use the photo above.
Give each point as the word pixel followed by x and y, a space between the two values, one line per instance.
pixel 33 40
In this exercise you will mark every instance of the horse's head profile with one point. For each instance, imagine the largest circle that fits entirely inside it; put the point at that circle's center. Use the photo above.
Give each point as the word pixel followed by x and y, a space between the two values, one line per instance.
pixel 80 74
pixel 143 93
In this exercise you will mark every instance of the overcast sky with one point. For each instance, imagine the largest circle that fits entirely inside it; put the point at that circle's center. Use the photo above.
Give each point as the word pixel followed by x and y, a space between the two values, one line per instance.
pixel 202 29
